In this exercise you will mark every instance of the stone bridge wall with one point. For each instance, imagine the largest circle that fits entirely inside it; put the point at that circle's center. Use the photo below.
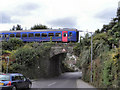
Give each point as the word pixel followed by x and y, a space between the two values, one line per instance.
pixel 51 64
pixel 57 50
pixel 57 55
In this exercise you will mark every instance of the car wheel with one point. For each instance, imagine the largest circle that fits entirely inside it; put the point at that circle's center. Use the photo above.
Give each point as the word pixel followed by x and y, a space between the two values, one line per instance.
pixel 30 85
pixel 14 88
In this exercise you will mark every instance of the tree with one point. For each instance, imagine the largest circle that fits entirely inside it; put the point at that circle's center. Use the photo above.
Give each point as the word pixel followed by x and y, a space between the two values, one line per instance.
pixel 118 12
pixel 39 26
pixel 97 31
pixel 12 44
pixel 115 19
pixel 18 27
pixel 13 28
pixel 25 55
pixel 105 28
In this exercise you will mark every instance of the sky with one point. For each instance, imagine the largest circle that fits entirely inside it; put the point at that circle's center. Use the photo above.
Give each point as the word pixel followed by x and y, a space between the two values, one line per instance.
pixel 86 15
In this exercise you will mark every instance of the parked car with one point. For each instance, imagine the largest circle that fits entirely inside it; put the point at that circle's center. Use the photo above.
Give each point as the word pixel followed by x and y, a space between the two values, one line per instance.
pixel 14 81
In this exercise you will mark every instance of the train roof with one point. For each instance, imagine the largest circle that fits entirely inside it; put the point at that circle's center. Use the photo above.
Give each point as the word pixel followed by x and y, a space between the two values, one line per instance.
pixel 40 30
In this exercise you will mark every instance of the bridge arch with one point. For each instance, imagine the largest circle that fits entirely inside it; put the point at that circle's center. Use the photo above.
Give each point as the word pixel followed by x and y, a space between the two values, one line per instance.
pixel 55 64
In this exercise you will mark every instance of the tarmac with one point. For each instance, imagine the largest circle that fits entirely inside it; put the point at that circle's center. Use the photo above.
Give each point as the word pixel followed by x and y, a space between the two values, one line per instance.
pixel 82 84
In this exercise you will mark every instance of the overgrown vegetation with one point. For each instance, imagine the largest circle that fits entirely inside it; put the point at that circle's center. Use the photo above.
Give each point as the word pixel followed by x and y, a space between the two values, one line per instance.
pixel 12 44
pixel 26 58
pixel 35 27
pixel 39 26
pixel 106 56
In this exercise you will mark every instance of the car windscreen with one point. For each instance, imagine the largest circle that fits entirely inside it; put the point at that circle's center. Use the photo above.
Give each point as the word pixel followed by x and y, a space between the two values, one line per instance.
pixel 4 77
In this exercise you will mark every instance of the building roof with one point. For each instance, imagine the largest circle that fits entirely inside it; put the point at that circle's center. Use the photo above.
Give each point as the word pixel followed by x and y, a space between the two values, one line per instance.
pixel 40 30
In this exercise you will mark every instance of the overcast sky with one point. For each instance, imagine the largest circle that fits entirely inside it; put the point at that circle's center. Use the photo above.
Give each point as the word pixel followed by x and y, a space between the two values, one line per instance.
pixel 80 14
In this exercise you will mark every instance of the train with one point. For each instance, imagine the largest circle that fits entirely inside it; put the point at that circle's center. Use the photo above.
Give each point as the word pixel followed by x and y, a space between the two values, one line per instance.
pixel 42 35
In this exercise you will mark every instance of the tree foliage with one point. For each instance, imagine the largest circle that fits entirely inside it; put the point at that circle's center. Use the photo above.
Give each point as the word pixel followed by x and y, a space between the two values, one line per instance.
pixel 15 28
pixel 31 56
pixel 12 44
pixel 39 26
pixel 105 55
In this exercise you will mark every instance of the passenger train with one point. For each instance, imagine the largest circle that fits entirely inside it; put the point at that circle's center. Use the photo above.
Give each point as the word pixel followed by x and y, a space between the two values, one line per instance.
pixel 42 35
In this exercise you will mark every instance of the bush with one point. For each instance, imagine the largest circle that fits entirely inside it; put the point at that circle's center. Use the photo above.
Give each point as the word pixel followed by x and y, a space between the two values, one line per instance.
pixel 12 44
pixel 31 59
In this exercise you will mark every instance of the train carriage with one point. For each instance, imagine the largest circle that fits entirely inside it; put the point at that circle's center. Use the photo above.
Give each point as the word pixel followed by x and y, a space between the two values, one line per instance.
pixel 59 35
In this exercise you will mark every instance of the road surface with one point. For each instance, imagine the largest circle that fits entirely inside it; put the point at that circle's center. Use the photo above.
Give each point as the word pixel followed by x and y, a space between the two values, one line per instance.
pixel 66 80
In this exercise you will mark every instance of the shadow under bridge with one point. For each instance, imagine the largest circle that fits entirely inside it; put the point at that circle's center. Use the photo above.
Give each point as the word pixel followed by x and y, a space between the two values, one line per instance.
pixel 57 55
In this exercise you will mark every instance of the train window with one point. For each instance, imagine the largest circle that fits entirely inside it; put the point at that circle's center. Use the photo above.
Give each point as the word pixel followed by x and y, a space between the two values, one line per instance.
pixel 44 34
pixel 37 35
pixel 51 34
pixel 1 35
pixel 31 35
pixel 70 34
pixel 18 35
pixel 65 34
pixel 24 35
pixel 12 35
pixel 58 34
pixel 6 35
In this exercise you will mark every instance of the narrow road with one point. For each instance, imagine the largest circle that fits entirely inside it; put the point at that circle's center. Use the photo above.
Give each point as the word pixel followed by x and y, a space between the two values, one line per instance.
pixel 66 80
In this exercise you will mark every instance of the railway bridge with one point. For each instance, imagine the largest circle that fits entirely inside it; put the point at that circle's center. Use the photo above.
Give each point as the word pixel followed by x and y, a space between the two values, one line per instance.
pixel 53 64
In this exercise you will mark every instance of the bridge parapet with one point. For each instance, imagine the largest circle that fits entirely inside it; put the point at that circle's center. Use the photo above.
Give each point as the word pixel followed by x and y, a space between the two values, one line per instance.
pixel 58 50
pixel 65 44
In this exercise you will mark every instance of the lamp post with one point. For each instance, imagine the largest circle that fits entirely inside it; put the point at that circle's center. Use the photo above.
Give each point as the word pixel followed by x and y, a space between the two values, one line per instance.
pixel 7 64
pixel 91 56
pixel 91 52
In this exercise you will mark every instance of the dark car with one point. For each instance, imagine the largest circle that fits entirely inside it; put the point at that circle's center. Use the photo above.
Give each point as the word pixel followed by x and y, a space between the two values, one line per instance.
pixel 13 81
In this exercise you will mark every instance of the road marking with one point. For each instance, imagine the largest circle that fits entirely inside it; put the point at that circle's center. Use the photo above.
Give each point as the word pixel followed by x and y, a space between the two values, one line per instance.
pixel 52 84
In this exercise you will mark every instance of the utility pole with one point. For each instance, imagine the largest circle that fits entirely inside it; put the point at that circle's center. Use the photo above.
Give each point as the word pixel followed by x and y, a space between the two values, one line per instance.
pixel 91 53
pixel 91 56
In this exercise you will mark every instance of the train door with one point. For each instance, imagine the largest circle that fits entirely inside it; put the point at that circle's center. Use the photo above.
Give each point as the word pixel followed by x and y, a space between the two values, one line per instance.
pixel 64 36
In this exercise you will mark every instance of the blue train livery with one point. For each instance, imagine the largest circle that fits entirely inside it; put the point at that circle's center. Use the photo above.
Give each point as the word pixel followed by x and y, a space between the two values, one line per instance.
pixel 58 35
